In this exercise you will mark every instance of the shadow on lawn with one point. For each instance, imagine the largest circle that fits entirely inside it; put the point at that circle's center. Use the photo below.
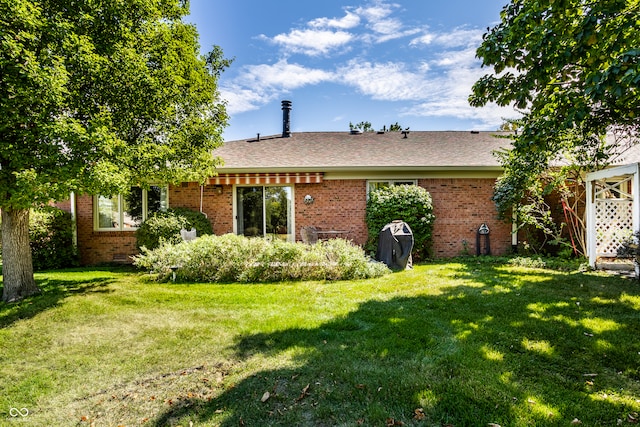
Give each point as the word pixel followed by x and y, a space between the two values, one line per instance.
pixel 53 293
pixel 504 348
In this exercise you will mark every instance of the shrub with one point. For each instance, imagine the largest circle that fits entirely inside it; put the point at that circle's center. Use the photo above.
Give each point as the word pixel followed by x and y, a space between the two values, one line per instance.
pixel 231 258
pixel 409 203
pixel 166 226
pixel 51 237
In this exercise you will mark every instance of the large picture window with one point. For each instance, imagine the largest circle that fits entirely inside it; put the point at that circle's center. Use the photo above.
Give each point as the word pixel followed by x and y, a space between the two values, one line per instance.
pixel 265 211
pixel 127 212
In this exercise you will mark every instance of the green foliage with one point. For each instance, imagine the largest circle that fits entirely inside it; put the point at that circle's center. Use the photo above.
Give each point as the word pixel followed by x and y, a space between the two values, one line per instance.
pixel 362 126
pixel 98 96
pixel 51 239
pixel 630 248
pixel 232 258
pixel 165 227
pixel 575 65
pixel 409 203
pixel 51 235
pixel 573 68
pixel 368 127
pixel 123 86
pixel 395 127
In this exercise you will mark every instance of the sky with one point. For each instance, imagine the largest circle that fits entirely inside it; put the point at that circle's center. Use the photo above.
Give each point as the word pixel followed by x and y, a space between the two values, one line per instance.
pixel 410 62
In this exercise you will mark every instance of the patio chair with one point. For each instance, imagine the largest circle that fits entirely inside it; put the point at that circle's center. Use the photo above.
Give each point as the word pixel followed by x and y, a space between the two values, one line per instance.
pixel 309 235
pixel 188 235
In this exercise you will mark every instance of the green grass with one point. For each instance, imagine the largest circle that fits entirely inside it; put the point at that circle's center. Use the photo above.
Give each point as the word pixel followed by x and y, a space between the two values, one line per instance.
pixel 463 343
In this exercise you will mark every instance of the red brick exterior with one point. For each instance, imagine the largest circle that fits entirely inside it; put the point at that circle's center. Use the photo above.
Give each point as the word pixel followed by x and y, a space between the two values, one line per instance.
pixel 461 205
pixel 337 205
pixel 97 247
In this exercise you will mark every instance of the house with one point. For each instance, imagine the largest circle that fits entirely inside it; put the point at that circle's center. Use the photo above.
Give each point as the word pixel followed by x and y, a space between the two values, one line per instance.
pixel 275 185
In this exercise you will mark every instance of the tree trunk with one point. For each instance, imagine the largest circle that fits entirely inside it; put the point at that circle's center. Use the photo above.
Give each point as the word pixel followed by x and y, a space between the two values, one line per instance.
pixel 17 267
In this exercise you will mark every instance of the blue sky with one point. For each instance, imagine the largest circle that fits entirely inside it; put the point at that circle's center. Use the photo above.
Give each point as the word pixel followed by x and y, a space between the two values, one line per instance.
pixel 410 61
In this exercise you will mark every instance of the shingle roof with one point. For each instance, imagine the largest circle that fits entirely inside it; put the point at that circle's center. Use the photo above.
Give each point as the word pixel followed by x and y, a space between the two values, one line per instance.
pixel 322 151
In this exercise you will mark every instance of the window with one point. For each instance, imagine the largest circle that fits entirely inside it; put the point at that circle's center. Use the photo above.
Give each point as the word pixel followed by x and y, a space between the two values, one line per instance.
pixel 375 185
pixel 265 211
pixel 126 212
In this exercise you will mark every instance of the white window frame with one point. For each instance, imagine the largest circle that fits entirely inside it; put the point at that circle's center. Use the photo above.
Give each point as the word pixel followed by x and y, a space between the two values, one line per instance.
pixel 292 187
pixel 121 213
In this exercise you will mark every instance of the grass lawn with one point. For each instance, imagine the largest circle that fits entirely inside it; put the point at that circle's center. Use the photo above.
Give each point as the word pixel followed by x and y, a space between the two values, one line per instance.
pixel 462 343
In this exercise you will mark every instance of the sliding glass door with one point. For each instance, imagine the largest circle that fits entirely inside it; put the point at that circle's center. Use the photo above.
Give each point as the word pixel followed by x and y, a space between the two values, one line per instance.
pixel 265 211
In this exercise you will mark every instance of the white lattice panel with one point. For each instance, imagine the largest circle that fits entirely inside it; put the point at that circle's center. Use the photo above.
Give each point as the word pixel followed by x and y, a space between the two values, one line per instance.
pixel 613 224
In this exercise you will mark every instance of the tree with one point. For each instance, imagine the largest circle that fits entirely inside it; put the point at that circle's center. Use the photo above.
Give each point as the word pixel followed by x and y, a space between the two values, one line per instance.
pixel 573 68
pixel 96 97
pixel 362 127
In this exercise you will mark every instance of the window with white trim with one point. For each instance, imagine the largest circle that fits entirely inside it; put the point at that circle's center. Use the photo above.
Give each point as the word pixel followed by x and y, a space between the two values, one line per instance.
pixel 377 184
pixel 127 212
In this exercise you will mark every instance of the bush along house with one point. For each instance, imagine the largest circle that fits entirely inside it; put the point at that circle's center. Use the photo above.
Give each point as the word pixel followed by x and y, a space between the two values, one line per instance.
pixel 275 186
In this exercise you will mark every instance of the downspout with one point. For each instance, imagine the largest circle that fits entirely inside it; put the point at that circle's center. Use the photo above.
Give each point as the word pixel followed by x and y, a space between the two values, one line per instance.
pixel 591 240
pixel 201 201
pixel 514 232
pixel 635 193
pixel 74 220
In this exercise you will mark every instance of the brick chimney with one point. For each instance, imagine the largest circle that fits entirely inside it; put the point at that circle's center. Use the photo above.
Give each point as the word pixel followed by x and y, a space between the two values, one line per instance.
pixel 286 119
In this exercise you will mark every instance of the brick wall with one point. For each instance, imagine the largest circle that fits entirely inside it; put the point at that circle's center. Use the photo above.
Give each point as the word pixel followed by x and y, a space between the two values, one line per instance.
pixel 460 206
pixel 338 204
pixel 98 247
pixel 217 203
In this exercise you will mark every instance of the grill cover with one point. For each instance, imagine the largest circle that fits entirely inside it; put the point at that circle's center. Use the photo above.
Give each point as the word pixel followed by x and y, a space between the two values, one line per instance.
pixel 395 243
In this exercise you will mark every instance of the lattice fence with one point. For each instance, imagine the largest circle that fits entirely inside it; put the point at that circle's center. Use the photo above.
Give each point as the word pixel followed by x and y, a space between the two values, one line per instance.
pixel 613 223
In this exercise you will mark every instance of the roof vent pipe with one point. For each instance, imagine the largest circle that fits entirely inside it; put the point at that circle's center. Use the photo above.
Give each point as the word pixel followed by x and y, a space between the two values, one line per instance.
pixel 286 119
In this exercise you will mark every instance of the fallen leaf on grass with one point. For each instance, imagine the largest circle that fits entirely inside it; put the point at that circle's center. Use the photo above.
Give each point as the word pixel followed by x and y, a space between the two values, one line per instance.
pixel 265 397
pixel 392 422
pixel 305 393
pixel 633 418
pixel 418 414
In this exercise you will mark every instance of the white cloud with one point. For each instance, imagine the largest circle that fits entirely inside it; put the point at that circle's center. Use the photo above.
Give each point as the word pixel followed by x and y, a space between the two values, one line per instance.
pixel 258 84
pixel 460 37
pixel 384 27
pixel 283 75
pixel 376 12
pixel 350 20
pixel 389 81
pixel 457 38
pixel 425 39
pixel 465 58
pixel 452 100
pixel 435 85
pixel 240 100
pixel 313 42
